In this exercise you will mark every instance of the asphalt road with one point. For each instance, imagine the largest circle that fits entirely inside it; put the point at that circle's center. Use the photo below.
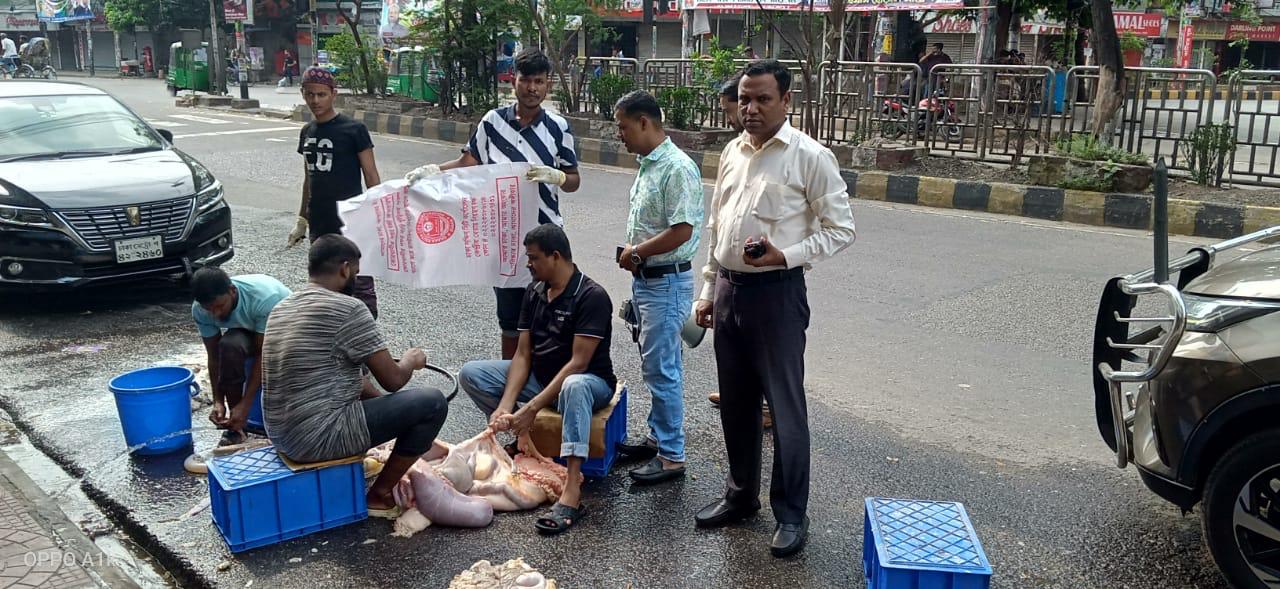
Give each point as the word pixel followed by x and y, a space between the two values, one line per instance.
pixel 947 360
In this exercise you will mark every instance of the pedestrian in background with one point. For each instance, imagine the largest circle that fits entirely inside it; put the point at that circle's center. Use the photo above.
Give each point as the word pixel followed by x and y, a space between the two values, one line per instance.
pixel 779 206
pixel 338 154
pixel 666 206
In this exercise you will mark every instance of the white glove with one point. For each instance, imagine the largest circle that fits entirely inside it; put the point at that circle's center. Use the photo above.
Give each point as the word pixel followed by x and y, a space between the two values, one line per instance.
pixel 422 172
pixel 547 175
pixel 299 232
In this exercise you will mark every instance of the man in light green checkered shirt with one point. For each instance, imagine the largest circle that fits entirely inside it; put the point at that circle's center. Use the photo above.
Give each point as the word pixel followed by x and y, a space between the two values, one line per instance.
pixel 662 238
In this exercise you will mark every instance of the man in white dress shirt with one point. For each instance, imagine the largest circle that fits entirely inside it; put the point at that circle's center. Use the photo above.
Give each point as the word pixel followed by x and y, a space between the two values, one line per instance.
pixel 779 206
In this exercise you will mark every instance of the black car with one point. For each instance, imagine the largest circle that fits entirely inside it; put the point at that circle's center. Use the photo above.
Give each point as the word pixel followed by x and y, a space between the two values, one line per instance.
pixel 90 193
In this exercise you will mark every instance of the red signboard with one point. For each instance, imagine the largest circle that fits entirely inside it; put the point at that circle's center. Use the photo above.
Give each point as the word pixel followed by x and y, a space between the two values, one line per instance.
pixel 235 10
pixel 1263 32
pixel 1185 37
pixel 1142 24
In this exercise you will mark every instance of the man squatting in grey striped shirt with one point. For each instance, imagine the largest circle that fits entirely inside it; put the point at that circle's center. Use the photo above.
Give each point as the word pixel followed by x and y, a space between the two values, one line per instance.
pixel 316 404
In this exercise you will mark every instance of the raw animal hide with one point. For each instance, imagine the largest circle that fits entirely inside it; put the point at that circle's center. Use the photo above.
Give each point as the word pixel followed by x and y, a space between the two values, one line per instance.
pixel 513 574
pixel 462 485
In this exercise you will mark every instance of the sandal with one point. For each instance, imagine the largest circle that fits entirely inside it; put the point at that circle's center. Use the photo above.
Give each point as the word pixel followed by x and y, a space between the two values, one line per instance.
pixel 560 519
pixel 393 512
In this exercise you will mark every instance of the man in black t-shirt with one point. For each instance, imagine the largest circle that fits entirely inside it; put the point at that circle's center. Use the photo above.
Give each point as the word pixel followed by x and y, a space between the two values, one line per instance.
pixel 562 359
pixel 338 153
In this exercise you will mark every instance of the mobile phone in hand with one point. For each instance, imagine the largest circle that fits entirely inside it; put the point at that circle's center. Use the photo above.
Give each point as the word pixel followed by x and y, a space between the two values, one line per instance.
pixel 753 248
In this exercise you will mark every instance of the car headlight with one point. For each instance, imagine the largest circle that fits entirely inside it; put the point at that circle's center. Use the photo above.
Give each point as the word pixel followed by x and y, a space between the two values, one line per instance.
pixel 200 175
pixel 209 198
pixel 24 216
pixel 1211 315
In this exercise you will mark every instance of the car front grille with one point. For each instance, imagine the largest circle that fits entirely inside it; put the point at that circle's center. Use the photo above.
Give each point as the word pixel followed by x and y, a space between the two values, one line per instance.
pixel 100 226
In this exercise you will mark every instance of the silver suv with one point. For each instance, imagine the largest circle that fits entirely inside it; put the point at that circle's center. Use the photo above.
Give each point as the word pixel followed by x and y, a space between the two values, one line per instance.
pixel 1187 389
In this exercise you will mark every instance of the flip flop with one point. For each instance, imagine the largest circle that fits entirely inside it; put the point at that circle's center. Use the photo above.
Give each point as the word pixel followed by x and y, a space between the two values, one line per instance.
pixel 392 513
pixel 560 519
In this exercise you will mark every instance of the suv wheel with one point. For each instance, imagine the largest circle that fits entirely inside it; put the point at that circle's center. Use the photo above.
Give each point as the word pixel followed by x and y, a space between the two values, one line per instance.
pixel 1242 512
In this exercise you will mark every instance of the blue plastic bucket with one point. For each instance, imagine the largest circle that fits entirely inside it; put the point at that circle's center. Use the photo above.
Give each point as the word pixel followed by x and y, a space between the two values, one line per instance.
pixel 154 403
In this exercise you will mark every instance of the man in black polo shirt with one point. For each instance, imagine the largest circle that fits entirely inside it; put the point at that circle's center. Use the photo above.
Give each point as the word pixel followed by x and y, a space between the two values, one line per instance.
pixel 562 359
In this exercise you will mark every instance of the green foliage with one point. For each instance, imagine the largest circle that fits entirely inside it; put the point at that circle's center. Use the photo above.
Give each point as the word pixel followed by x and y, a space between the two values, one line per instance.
pixel 1208 151
pixel 1085 147
pixel 344 52
pixel 1132 42
pixel 1091 183
pixel 124 15
pixel 607 89
pixel 683 107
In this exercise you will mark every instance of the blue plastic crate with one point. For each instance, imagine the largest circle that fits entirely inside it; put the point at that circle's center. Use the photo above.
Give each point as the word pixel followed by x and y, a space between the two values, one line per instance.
pixel 615 432
pixel 256 500
pixel 909 544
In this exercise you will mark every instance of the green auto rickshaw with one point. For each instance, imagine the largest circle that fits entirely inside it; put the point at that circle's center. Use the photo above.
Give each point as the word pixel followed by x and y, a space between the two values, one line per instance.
pixel 413 75
pixel 189 69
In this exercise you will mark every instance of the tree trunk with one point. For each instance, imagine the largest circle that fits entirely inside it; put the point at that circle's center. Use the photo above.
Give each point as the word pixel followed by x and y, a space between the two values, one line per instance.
pixel 1111 78
pixel 572 107
pixel 909 41
pixel 1004 19
pixel 216 61
pixel 355 33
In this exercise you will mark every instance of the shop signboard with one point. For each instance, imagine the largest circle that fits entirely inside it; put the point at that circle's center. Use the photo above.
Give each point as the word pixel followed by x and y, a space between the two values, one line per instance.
pixel 64 10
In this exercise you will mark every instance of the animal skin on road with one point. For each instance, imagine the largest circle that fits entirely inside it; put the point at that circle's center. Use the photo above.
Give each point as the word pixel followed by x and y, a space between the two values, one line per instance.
pixel 463 485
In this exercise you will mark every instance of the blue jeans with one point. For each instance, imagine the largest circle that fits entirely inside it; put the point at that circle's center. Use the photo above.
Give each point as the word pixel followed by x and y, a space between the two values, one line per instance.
pixel 663 304
pixel 580 396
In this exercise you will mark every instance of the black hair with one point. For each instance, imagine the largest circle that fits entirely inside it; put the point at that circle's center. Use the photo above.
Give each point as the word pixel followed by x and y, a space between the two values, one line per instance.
pixel 639 103
pixel 532 61
pixel 763 67
pixel 938 45
pixel 730 88
pixel 550 239
pixel 209 283
pixel 329 252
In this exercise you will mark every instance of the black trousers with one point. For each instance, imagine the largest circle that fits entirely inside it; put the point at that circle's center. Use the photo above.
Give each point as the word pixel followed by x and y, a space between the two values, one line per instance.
pixel 233 349
pixel 760 323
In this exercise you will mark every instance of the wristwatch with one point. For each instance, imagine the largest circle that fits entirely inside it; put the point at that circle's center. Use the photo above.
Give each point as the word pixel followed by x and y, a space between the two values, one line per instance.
pixel 636 259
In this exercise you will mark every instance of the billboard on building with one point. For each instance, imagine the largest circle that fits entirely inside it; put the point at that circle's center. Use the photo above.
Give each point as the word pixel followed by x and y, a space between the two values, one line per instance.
pixel 399 16
pixel 63 10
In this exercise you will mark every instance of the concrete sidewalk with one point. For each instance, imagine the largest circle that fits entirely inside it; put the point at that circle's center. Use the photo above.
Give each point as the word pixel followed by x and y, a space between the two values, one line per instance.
pixel 39 546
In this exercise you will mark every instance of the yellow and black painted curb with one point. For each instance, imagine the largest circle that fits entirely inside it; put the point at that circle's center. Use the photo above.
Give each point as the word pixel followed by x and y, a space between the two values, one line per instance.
pixel 1220 94
pixel 1128 211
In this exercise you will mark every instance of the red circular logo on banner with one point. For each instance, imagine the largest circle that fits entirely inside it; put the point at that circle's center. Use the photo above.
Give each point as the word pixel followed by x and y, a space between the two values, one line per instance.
pixel 435 227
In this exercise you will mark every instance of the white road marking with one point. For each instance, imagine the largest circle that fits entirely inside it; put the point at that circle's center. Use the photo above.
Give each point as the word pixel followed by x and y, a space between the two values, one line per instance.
pixel 166 124
pixel 199 119
pixel 238 132
pixel 278 139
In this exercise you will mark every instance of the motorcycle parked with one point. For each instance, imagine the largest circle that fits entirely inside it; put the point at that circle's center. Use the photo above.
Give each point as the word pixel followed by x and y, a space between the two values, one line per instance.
pixel 937 108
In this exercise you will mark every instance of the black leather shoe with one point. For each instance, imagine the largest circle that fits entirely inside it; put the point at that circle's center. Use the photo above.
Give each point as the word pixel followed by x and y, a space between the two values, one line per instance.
pixel 723 513
pixel 789 539
pixel 637 451
pixel 653 472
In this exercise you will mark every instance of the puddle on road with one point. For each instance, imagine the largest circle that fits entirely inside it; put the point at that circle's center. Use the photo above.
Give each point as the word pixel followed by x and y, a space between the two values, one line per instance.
pixel 79 509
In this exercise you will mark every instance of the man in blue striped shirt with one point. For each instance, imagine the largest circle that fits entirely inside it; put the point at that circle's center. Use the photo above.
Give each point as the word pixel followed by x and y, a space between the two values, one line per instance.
pixel 522 132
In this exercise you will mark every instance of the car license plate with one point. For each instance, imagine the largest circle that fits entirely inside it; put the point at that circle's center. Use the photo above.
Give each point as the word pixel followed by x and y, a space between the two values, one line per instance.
pixel 139 249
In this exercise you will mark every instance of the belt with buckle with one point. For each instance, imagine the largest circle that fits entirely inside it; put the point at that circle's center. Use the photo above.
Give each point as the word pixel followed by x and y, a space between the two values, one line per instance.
pixel 753 278
pixel 665 269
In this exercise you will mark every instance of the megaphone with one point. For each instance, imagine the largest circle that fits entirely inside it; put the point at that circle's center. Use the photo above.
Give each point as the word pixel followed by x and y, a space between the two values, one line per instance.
pixel 691 332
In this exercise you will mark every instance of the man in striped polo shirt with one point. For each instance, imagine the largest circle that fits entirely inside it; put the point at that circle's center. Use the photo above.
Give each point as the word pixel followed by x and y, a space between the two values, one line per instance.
pixel 522 132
